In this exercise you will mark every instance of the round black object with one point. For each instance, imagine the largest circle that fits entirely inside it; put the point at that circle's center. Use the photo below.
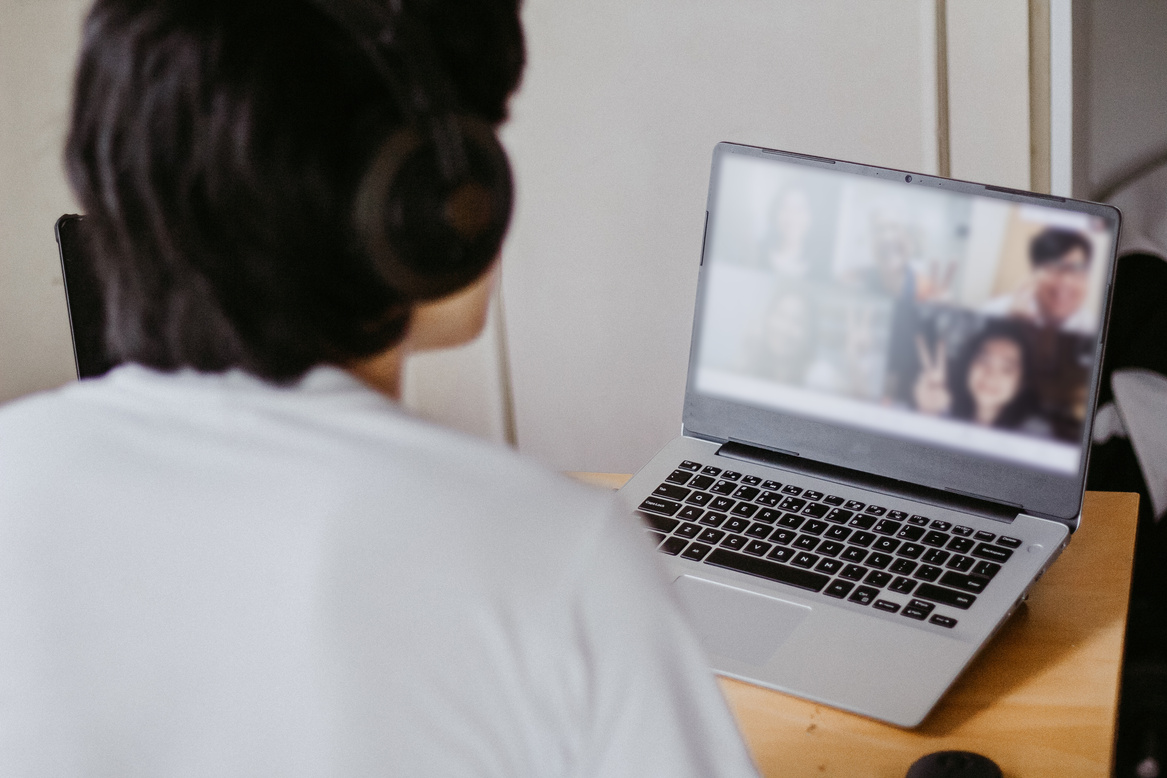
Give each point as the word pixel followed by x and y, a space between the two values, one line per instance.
pixel 908 179
pixel 954 764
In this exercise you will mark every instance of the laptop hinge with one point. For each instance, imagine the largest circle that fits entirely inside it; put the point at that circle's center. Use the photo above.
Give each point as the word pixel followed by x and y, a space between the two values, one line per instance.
pixel 944 498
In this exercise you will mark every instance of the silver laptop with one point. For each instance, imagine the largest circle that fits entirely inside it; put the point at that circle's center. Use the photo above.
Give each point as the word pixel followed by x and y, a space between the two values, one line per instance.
pixel 886 423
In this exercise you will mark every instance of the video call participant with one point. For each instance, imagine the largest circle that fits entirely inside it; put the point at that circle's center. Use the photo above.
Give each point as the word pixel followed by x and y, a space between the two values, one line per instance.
pixel 1056 293
pixel 990 384
pixel 237 555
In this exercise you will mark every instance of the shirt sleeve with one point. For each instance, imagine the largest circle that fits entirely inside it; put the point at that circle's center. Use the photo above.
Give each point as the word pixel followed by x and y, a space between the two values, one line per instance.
pixel 652 705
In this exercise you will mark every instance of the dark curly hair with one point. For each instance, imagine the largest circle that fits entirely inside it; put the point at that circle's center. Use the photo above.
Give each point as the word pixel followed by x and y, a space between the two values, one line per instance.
pixel 216 146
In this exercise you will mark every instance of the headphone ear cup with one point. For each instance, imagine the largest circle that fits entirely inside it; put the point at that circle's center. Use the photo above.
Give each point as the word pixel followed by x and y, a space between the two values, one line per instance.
pixel 428 235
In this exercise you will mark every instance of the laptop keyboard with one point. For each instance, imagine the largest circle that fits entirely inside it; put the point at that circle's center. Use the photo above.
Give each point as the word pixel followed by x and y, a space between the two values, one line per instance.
pixel 845 549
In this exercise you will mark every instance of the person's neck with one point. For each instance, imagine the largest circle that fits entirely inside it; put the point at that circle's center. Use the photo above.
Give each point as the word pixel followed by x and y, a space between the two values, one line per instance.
pixel 987 414
pixel 382 372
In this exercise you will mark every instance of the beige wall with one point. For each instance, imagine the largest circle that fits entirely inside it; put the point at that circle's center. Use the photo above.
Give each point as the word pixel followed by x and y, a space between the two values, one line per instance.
pixel 38 39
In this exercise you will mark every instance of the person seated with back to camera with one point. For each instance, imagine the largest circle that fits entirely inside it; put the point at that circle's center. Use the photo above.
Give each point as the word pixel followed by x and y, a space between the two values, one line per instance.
pixel 236 554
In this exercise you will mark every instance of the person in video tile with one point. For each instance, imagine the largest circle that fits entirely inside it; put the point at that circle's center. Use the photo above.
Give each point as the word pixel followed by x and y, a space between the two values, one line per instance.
pixel 784 245
pixel 990 384
pixel 785 342
pixel 1056 293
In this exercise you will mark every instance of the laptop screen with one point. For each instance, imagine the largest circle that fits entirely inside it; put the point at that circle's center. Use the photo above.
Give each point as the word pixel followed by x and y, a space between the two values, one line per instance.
pixel 964 320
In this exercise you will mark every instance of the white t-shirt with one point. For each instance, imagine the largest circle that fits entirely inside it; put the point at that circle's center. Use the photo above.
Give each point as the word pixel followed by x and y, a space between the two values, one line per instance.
pixel 209 575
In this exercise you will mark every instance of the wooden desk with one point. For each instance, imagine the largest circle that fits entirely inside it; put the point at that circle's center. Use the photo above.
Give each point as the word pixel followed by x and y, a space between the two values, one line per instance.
pixel 1041 699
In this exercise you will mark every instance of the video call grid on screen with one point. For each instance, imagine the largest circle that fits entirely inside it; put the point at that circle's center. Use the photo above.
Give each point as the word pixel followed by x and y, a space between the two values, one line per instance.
pixel 960 320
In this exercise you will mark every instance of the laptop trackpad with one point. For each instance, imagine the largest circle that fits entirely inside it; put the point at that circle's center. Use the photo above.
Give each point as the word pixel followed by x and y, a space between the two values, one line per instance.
pixel 736 623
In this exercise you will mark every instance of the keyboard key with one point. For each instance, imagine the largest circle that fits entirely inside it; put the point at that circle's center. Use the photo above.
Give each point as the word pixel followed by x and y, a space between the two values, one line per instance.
pixel 712 536
pixel 986 569
pixel 657 505
pixel 830 548
pixel 721 504
pixel 992 553
pixel 803 579
pixel 713 519
pixel 875 510
pixel 839 589
pixel 853 572
pixel 655 537
pixel 723 487
pixel 804 559
pixel 745 509
pixel 806 542
pixel 771 485
pixel 962 530
pixel 688 465
pixel 919 521
pixel 855 505
pixel 679 477
pixel 878 560
pixel 792 489
pixel 888 527
pixel 757 548
pixel 701 482
pixel 814 527
pixel 711 470
pixel 792 504
pixel 903 566
pixel 986 537
pixel 935 538
pixel 902 585
pixel 695 551
pixel 736 524
pixel 672 546
pixel 863 595
pixel 886 605
pixel 659 523
pixel 961 564
pixel 878 578
pixel 968 583
pixel 862 539
pixel 839 515
pixel 672 491
pixel 910 533
pixel 759 531
pixel 831 499
pixel 910 550
pixel 927 591
pixel 863 522
pixel 782 554
pixel 1009 542
pixel 935 556
pixel 943 526
pixel 813 495
pixel 792 520
pixel 897 515
pixel 688 530
pixel 769 499
pixel 943 621
pixel 731 475
pixel 751 480
pixel 838 533
pixel 918 609
pixel 829 566
pixel 746 492
pixel 960 545
pixel 928 573
pixel 768 515
pixel 853 554
pixel 783 536
pixel 699 498
pixel 690 513
pixel 736 542
pixel 886 544
pixel 816 510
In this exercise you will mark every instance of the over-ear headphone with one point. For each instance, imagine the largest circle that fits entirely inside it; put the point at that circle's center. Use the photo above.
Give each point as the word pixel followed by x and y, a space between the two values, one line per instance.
pixel 434 203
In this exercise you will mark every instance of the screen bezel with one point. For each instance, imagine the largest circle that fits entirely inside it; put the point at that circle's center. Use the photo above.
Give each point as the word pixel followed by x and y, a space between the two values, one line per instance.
pixel 1034 491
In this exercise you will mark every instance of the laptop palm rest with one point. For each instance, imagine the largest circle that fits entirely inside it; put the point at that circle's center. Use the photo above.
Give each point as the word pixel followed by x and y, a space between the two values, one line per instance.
pixel 736 623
